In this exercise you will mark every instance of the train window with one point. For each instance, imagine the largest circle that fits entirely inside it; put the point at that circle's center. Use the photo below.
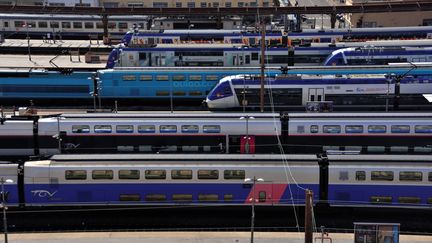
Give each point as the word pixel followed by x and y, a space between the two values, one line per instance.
pixel 195 93
pixel 430 176
pixel 19 24
pixel 208 174
pixel 162 93
pixel 80 128
pixel 314 128
pixel 54 25
pixel 331 129
pixel 208 197
pixel 66 25
pixel 179 93
pixel 377 129
pixel 182 197
pixel 212 77
pixel 189 148
pixel 124 128
pixel 255 56
pixel 190 128
pixel 178 77
pixel 410 176
pixel 300 129
pixel 102 129
pixel 102 174
pixel 122 25
pixel 424 150
pixel 75 175
pixel 195 77
pixel 423 129
pixel 211 129
pixel 375 149
pixel 77 25
pixel 360 175
pixel 167 128
pixel 429 200
pixel 181 174
pixel 382 176
pixel 121 148
pixel 155 197
pixel 262 196
pixel 155 174
pixel 400 128
pixel 410 200
pixel 129 174
pixel 111 25
pixel 234 174
pixel 129 197
pixel 146 77
pixel 43 24
pixel 89 25
pixel 343 175
pixel 228 197
pixel 146 129
pixel 399 149
pixel 99 25
pixel 381 199
pixel 354 129
pixel 129 77
pixel 162 77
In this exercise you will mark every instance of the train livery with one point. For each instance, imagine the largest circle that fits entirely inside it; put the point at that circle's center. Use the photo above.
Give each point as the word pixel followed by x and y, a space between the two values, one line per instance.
pixel 350 92
pixel 110 180
pixel 233 133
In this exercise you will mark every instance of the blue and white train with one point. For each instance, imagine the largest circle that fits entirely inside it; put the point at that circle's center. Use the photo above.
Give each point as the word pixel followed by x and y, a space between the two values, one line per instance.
pixel 372 55
pixel 110 180
pixel 295 91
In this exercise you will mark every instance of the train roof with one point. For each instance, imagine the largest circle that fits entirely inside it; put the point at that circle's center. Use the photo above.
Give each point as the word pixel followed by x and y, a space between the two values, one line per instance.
pixel 379 158
pixel 360 115
pixel 167 115
pixel 66 17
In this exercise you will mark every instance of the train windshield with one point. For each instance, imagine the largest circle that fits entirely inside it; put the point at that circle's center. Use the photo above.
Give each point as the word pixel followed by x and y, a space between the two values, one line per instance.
pixel 222 90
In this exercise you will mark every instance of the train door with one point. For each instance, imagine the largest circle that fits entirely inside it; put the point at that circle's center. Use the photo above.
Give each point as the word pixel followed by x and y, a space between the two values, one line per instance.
pixel 238 59
pixel 316 94
pixel 247 144
pixel 263 193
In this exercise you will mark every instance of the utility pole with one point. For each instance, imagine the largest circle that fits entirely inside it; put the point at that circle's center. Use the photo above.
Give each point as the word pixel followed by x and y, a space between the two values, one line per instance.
pixel 308 217
pixel 263 35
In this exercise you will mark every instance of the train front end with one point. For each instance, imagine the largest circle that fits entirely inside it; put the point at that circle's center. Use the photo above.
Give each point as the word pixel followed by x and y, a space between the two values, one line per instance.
pixel 222 96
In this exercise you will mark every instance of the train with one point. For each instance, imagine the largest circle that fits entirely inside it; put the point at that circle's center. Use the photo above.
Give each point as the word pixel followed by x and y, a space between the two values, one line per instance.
pixel 372 55
pixel 238 55
pixel 374 181
pixel 275 38
pixel 23 137
pixel 344 92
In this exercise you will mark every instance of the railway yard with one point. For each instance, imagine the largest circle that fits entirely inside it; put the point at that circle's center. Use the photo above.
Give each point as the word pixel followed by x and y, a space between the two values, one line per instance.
pixel 121 127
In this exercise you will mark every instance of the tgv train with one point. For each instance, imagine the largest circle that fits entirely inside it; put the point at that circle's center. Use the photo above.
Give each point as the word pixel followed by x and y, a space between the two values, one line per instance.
pixel 345 92
pixel 234 133
pixel 371 55
pixel 229 55
pixel 250 38
pixel 66 26
pixel 110 180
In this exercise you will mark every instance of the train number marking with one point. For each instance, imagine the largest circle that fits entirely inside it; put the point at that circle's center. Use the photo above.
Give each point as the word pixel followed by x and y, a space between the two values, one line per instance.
pixel 43 193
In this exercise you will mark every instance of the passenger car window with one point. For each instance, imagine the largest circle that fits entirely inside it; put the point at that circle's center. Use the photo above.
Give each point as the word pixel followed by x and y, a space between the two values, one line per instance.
pixel 102 174
pixel 314 129
pixel 129 174
pixel 80 129
pixel 75 175
pixel 189 128
pixel 211 129
pixel 410 176
pixel 168 128
pixel 331 129
pixel 146 128
pixel 124 129
pixel 382 176
pixel 234 174
pixel 354 129
pixel 181 174
pixel 423 129
pixel 102 129
pixel 155 174
pixel 400 128
pixel 377 129
pixel 208 174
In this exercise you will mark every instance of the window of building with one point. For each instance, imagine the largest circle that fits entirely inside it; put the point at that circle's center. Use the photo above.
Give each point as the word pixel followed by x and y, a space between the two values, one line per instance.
pixel 181 174
pixel 241 4
pixel 211 129
pixel 182 197
pixel 167 128
pixel 360 175
pixel 155 197
pixel 80 128
pixel 75 175
pixel 129 197
pixel 160 4
pixel 135 5
pixel 216 4
pixel 203 4
pixel 382 176
pixel 377 129
pixel 400 128
pixel 77 25
pixel 354 129
pixel 155 174
pixel 102 129
pixel 234 174
pixel 102 174
pixel 331 129
pixel 208 174
pixel 190 128
pixel 410 176
pixel 124 128
pixel 191 4
pixel 228 4
pixel 146 129
pixel 129 174
pixel 178 4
